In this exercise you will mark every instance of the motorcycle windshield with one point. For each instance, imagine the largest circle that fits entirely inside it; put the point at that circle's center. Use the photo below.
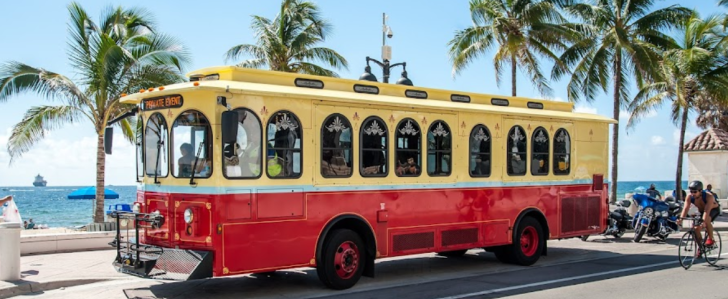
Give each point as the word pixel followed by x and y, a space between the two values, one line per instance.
pixel 644 200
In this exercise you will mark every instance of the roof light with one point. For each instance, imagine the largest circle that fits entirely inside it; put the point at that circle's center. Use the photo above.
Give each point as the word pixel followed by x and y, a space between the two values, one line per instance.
pixel 151 88
pixel 123 95
pixel 142 90
pixel 499 102
pixel 196 83
pixel 161 88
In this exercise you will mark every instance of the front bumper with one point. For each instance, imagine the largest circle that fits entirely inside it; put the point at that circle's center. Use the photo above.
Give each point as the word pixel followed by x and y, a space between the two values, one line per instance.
pixel 156 262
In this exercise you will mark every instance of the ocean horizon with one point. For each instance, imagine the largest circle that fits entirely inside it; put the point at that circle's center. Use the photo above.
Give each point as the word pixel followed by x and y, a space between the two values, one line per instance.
pixel 49 205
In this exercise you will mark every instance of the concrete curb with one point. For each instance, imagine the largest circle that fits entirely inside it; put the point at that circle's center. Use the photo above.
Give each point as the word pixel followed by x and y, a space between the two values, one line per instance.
pixel 26 287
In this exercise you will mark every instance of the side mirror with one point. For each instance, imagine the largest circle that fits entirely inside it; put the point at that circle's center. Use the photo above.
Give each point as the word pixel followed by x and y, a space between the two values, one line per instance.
pixel 108 139
pixel 229 126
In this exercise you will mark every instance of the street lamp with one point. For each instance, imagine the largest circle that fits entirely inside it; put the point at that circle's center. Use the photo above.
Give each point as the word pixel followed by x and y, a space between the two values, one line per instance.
pixel 386 57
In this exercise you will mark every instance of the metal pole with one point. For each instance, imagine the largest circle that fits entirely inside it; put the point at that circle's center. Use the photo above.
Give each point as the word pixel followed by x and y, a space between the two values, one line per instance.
pixel 384 31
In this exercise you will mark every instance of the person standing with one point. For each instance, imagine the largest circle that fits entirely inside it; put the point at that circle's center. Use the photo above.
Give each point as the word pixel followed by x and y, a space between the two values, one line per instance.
pixel 653 192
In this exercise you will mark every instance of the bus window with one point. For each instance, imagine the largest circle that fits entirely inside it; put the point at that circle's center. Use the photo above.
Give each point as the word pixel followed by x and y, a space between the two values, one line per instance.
pixel 408 155
pixel 540 152
pixel 191 146
pixel 439 149
pixel 283 148
pixel 155 146
pixel 336 158
pixel 480 152
pixel 516 156
pixel 374 149
pixel 139 138
pixel 562 149
pixel 242 159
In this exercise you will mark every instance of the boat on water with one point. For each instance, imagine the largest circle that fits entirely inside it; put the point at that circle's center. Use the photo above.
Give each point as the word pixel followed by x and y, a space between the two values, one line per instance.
pixel 39 181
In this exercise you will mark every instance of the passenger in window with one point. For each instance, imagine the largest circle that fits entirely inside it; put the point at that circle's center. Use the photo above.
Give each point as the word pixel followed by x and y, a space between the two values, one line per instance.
pixel 185 162
pixel 409 168
pixel 518 165
pixel 538 166
pixel 373 161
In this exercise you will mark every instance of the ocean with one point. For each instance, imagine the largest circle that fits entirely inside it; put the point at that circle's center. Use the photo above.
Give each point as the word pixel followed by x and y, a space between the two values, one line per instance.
pixel 50 206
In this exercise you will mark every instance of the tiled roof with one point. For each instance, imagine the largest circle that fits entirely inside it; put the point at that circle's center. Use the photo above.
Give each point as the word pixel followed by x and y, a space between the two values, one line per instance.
pixel 710 140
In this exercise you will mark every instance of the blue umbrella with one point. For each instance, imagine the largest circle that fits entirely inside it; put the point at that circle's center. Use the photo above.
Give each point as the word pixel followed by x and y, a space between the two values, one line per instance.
pixel 90 193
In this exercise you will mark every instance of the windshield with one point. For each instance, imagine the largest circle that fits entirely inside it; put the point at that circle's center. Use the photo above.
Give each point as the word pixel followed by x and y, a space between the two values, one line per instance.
pixel 191 146
pixel 155 146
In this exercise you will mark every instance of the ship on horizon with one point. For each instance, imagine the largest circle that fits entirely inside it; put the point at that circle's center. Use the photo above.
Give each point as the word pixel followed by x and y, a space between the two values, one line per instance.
pixel 39 181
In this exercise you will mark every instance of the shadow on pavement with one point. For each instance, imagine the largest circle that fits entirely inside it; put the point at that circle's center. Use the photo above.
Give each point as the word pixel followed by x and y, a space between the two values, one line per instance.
pixel 418 277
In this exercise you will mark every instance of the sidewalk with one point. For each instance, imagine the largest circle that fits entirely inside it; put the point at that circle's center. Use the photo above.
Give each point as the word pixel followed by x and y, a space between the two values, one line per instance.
pixel 53 271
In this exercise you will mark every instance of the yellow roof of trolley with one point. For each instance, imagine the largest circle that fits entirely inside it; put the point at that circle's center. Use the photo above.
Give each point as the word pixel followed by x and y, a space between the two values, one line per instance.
pixel 261 82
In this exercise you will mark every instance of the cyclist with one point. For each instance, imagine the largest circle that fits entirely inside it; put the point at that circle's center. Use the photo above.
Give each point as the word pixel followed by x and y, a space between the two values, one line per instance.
pixel 705 203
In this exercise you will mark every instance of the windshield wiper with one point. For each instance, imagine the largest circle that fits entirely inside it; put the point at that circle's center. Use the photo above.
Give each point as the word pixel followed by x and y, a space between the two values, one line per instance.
pixel 194 166
pixel 156 166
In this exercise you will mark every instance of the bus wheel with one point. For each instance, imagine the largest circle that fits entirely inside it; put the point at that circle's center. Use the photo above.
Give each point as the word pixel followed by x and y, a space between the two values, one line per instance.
pixel 342 260
pixel 528 242
pixel 454 253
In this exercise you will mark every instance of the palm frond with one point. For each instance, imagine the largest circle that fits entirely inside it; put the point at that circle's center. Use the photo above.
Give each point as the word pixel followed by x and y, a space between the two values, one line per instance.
pixel 34 125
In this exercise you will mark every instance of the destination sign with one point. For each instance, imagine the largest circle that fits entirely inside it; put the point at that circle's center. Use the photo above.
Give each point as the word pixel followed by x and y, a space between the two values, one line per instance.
pixel 417 94
pixel 170 101
pixel 460 98
pixel 366 89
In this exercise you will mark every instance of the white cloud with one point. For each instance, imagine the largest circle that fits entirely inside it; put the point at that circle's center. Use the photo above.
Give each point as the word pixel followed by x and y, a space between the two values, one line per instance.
pixel 68 161
pixel 585 109
pixel 658 140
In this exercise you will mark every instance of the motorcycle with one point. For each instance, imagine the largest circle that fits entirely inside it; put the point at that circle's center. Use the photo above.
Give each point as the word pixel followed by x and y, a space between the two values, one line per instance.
pixel 618 221
pixel 655 218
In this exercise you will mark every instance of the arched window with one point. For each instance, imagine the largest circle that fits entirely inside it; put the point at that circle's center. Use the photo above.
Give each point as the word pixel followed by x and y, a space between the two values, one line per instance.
pixel 409 151
pixel 439 149
pixel 336 157
pixel 283 147
pixel 562 152
pixel 243 159
pixel 191 146
pixel 540 152
pixel 139 141
pixel 374 147
pixel 516 156
pixel 480 147
pixel 156 146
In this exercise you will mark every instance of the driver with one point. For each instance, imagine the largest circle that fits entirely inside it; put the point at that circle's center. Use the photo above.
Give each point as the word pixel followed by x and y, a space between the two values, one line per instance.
pixel 705 203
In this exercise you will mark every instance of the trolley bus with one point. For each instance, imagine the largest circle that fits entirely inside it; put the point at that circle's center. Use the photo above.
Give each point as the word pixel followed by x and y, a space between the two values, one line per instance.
pixel 248 171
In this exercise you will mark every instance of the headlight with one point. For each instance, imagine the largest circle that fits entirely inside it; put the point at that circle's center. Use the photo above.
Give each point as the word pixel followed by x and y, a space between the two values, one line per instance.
pixel 135 208
pixel 648 212
pixel 664 214
pixel 189 216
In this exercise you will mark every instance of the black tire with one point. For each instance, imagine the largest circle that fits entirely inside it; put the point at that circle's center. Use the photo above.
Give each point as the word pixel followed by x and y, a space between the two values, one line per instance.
pixel 584 238
pixel 639 231
pixel 686 250
pixel 342 248
pixel 528 243
pixel 619 234
pixel 712 255
pixel 454 253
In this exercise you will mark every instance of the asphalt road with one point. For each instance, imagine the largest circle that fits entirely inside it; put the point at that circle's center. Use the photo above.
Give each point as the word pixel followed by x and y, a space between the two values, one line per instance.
pixel 599 268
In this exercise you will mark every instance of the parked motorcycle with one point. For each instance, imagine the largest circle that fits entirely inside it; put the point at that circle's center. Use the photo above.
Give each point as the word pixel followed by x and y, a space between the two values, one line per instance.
pixel 655 218
pixel 618 221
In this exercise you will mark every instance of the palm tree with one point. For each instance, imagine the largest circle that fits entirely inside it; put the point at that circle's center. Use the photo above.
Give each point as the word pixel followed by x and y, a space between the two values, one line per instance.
pixel 120 53
pixel 288 43
pixel 693 74
pixel 622 39
pixel 522 30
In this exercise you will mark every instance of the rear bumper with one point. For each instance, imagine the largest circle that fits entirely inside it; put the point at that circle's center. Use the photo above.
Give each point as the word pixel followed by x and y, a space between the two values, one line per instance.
pixel 149 261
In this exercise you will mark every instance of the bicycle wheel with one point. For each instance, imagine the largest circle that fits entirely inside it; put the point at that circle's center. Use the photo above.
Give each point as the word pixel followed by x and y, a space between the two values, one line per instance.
pixel 712 253
pixel 687 249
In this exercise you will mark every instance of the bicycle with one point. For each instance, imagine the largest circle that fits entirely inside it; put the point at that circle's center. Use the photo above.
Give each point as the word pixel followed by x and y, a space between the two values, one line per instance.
pixel 689 250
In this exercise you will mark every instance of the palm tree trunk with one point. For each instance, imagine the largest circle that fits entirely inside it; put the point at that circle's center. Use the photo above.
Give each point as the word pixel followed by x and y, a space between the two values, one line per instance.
pixel 615 127
pixel 513 75
pixel 678 173
pixel 100 172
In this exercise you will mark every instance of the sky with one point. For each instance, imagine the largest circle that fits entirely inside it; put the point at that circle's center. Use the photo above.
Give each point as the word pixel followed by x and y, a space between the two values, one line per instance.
pixel 35 33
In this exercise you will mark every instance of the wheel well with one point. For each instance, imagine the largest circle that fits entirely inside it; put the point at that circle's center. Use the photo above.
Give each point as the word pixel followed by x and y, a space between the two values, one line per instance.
pixel 359 226
pixel 536 214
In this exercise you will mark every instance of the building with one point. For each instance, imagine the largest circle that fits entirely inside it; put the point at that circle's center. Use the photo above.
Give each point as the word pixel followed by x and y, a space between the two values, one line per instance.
pixel 708 160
